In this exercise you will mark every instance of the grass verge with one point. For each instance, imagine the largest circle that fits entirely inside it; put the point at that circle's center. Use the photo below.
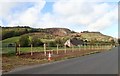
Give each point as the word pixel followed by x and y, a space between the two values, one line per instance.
pixel 12 62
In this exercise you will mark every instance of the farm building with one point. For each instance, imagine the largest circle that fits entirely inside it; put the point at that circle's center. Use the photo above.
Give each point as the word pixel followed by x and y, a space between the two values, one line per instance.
pixel 74 42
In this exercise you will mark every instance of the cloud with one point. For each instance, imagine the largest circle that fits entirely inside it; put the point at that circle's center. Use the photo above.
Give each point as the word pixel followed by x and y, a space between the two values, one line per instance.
pixel 1 23
pixel 105 21
pixel 20 1
pixel 93 15
pixel 5 8
pixel 69 8
pixel 29 16
pixel 48 21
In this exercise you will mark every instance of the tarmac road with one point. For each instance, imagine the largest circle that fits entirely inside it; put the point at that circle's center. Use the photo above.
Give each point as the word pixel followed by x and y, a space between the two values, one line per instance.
pixel 100 63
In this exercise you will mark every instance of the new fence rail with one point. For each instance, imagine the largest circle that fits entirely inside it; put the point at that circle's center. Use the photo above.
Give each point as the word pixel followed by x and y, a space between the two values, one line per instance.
pixel 16 49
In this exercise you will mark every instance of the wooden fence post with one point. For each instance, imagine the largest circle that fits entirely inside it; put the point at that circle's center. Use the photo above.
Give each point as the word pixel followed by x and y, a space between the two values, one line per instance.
pixel 93 47
pixel 19 49
pixel 31 50
pixel 52 52
pixel 87 47
pixel 79 47
pixel 57 48
pixel 45 49
pixel 101 46
pixel 65 49
pixel 72 48
pixel 105 46
pixel 97 47
pixel 84 47
pixel 111 46
pixel 90 46
pixel 16 52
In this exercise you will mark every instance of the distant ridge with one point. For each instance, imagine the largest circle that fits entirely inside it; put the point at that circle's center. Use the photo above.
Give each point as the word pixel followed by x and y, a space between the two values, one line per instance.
pixel 8 32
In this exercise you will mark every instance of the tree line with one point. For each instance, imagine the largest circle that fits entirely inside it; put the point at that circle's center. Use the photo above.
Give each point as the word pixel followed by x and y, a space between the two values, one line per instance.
pixel 8 32
pixel 26 41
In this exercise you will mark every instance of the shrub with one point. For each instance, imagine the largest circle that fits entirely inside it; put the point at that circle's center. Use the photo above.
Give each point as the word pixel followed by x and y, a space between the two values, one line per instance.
pixel 52 44
pixel 35 41
pixel 24 40
pixel 59 41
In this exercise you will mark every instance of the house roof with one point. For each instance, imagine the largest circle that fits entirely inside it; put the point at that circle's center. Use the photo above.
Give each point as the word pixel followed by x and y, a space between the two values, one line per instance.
pixel 76 41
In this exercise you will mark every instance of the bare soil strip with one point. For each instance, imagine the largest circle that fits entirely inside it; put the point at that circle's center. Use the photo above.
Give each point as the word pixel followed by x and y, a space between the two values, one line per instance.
pixel 12 62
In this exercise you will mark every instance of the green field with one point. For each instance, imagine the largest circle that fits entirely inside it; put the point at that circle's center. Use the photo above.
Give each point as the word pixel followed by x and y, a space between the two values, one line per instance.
pixel 41 49
pixel 7 49
pixel 28 49
pixel 11 40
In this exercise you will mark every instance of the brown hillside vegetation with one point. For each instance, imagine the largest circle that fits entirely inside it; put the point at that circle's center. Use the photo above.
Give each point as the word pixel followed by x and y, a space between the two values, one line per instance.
pixel 58 31
pixel 92 36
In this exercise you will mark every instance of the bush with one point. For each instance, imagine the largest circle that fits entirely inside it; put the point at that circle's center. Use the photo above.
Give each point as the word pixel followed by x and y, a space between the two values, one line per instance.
pixel 36 41
pixel 52 44
pixel 24 40
pixel 59 41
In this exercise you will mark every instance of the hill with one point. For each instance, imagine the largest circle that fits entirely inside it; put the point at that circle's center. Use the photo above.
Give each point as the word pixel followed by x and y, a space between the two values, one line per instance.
pixel 86 35
pixel 8 32
pixel 12 34
pixel 96 36
pixel 11 40
pixel 58 31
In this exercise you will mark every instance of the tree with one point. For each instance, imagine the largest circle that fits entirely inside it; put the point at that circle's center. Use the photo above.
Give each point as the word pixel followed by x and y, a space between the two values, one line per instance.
pixel 35 41
pixel 64 39
pixel 24 40
pixel 52 44
pixel 59 41
pixel 112 42
pixel 7 34
pixel 92 42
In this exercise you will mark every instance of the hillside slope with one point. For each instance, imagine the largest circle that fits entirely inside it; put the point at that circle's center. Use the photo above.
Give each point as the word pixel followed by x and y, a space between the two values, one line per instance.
pixel 51 36
pixel 59 31
pixel 8 32
pixel 92 36
pixel 96 36
pixel 12 34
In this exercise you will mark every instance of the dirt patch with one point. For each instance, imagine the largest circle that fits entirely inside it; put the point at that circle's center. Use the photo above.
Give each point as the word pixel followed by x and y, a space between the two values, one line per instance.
pixel 11 62
pixel 55 56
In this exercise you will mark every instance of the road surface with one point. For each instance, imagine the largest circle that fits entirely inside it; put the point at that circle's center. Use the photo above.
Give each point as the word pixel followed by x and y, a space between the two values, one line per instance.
pixel 100 63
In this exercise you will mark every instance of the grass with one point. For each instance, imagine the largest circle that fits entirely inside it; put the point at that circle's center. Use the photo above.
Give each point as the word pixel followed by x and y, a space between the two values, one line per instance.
pixel 28 49
pixel 12 62
pixel 47 40
pixel 9 63
pixel 10 50
pixel 16 39
pixel 5 42
pixel 11 40
pixel 6 49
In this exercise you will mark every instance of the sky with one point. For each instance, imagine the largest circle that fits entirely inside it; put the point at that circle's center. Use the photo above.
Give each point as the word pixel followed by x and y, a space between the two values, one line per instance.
pixel 76 15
